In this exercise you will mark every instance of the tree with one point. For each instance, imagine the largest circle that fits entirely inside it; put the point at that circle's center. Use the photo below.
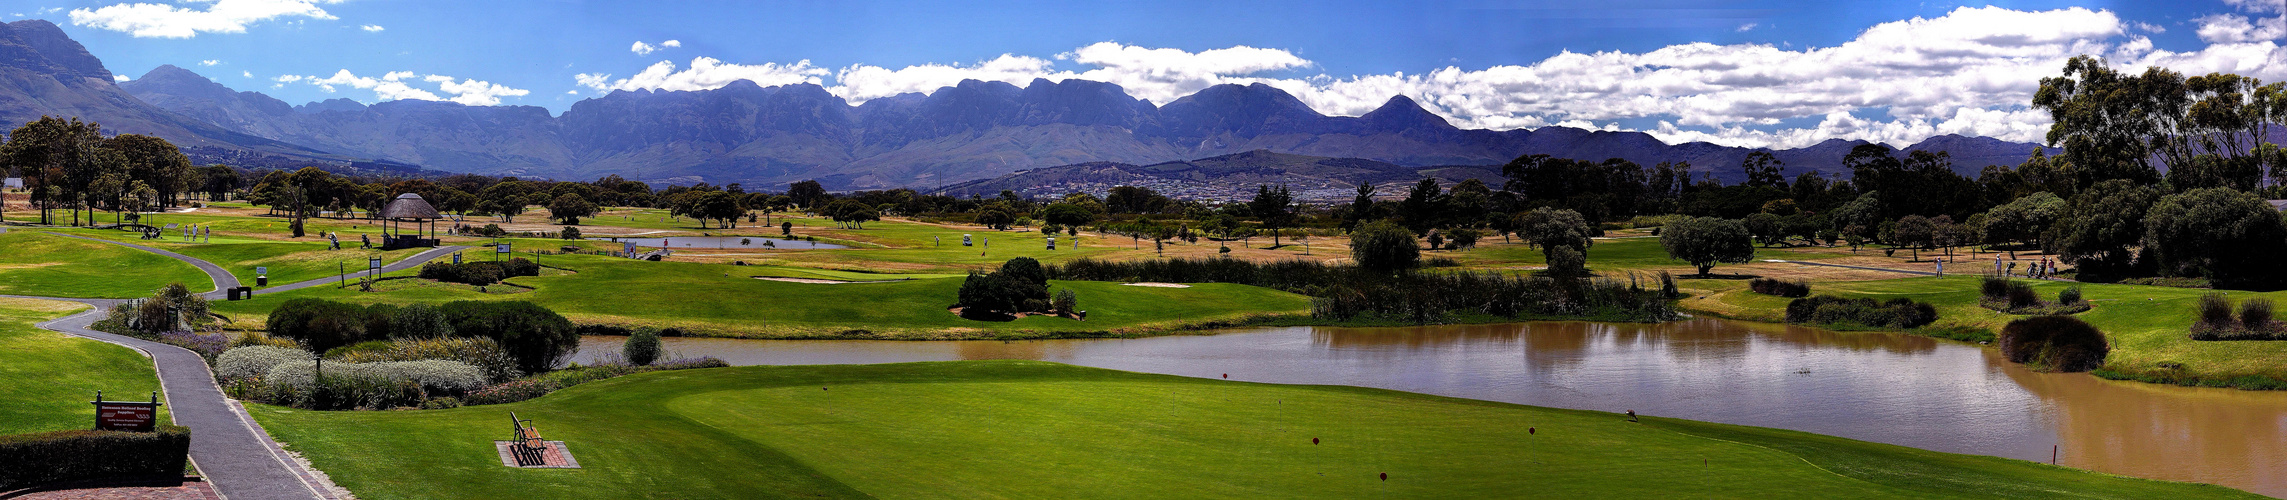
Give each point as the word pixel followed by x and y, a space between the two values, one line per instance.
pixel 2231 237
pixel 1763 170
pixel 1423 207
pixel 569 208
pixel 1916 232
pixel 2023 219
pixel 505 199
pixel 1565 262
pixel 1555 227
pixel 1362 208
pixel 1859 216
pixel 717 205
pixel 995 218
pixel 1707 241
pixel 1766 228
pixel 2103 118
pixel 806 194
pixel 1384 246
pixel 57 159
pixel 1066 214
pixel 1274 207
pixel 641 347
pixel 538 338
pixel 1020 285
pixel 2100 224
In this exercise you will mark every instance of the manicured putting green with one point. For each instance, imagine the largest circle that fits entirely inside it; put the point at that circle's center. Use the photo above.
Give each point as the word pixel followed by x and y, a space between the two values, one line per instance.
pixel 1026 429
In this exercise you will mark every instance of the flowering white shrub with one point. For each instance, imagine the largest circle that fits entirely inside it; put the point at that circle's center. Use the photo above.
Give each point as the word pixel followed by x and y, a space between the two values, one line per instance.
pixel 254 361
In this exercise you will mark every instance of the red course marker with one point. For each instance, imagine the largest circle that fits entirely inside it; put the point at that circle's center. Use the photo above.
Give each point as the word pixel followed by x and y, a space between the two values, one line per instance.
pixel 1313 440
pixel 1385 476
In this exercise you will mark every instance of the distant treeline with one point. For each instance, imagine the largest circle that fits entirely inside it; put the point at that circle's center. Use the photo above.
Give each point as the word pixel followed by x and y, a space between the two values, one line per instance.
pixel 1345 292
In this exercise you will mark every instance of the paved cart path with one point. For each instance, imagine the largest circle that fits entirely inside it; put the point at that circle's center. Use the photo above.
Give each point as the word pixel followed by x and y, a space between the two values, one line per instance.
pixel 230 449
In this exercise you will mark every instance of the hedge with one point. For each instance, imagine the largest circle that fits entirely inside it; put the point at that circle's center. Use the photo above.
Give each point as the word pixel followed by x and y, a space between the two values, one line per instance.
pixel 479 273
pixel 47 457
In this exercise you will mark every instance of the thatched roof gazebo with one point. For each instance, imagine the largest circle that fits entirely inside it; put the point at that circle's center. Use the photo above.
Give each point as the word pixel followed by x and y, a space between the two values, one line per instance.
pixel 410 208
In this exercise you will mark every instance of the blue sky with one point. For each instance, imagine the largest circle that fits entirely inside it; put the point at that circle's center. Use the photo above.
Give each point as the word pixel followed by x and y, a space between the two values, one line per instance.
pixel 1494 64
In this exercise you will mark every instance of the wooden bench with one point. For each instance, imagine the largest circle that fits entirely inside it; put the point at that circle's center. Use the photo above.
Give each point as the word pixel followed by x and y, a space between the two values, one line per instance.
pixel 527 445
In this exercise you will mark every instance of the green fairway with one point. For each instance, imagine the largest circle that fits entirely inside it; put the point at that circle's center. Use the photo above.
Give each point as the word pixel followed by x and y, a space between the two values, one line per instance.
pixel 47 379
pixel 47 265
pixel 719 299
pixel 1024 429
pixel 1609 255
pixel 287 261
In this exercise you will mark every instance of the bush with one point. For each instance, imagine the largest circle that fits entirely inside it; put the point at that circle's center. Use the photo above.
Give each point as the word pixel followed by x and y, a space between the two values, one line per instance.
pixel 1383 246
pixel 479 273
pixel 2056 343
pixel 2022 295
pixel 1067 302
pixel 2071 296
pixel 1994 288
pixel 1782 288
pixel 419 321
pixel 434 375
pixel 440 403
pixel 322 325
pixel 510 392
pixel 207 345
pixel 536 337
pixel 1566 262
pixel 361 347
pixel 254 361
pixel 2215 310
pixel 1832 310
pixel 642 347
pixel 47 457
pixel 569 233
pixel 1020 286
pixel 2255 314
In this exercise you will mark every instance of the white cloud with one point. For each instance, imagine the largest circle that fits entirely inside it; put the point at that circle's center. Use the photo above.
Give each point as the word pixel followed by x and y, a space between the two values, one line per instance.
pixel 246 74
pixel 704 73
pixel 2149 27
pixel 1747 27
pixel 119 78
pixel 644 49
pixel 371 28
pixel 395 85
pixel 147 20
pixel 210 62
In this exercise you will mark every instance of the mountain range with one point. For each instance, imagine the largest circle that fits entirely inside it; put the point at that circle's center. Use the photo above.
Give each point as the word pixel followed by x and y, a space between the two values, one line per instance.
pixel 746 133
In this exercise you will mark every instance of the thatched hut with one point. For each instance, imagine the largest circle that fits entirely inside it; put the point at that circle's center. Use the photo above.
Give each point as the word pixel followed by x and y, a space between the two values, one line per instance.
pixel 410 208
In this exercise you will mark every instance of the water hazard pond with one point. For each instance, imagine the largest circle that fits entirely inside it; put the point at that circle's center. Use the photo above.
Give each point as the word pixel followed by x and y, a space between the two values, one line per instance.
pixel 1889 388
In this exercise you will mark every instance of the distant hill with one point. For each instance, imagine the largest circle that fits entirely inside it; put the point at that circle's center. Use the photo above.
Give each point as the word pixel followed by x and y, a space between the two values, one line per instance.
pixel 45 73
pixel 1226 177
pixel 768 136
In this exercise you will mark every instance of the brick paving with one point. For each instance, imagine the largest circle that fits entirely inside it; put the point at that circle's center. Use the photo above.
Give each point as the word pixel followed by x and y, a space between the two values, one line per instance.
pixel 188 490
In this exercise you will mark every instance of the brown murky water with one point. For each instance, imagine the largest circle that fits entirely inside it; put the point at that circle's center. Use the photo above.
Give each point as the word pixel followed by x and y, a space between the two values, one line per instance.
pixel 1898 389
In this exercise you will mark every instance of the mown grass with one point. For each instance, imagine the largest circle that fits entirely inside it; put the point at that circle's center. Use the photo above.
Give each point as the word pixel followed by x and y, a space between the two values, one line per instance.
pixel 1026 429
pixel 723 300
pixel 47 378
pixel 2149 326
pixel 34 263
pixel 288 261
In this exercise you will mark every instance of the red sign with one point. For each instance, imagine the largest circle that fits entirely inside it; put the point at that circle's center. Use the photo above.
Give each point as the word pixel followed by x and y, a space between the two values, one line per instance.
pixel 125 416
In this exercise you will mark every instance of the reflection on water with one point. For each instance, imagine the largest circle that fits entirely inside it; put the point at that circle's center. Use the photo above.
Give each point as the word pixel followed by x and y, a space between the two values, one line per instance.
pixel 1899 389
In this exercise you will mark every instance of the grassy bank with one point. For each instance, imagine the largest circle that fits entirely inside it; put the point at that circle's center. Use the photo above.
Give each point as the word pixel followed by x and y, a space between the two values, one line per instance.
pixel 34 263
pixel 724 300
pixel 1027 429
pixel 47 379
pixel 2149 326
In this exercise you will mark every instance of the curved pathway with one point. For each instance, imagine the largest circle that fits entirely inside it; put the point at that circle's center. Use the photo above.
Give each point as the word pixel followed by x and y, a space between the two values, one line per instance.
pixel 230 450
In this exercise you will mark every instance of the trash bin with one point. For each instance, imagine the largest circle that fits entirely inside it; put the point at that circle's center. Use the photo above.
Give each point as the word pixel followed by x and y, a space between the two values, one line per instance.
pixel 261 281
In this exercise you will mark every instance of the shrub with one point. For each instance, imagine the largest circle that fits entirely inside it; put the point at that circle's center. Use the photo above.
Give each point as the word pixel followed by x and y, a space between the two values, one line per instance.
pixel 207 345
pixel 258 338
pixel 2056 343
pixel 419 321
pixel 2215 310
pixel 1994 287
pixel 1782 288
pixel 510 392
pixel 47 457
pixel 1384 246
pixel 1021 285
pixel 2070 296
pixel 254 361
pixel 361 347
pixel 1566 262
pixel 479 273
pixel 440 403
pixel 570 233
pixel 434 375
pixel 483 353
pixel 2022 295
pixel 2255 314
pixel 319 324
pixel 1832 310
pixel 642 347
pixel 538 338
pixel 1067 302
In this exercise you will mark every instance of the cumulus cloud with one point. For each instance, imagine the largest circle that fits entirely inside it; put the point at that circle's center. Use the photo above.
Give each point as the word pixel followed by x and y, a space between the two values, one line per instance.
pixel 1747 27
pixel 210 62
pixel 395 85
pixel 155 20
pixel 118 78
pixel 704 73
pixel 246 74
pixel 371 28
pixel 644 49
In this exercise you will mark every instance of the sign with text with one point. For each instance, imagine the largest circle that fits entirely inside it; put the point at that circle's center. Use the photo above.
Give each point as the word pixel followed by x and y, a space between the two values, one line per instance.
pixel 261 270
pixel 125 416
pixel 373 263
pixel 503 248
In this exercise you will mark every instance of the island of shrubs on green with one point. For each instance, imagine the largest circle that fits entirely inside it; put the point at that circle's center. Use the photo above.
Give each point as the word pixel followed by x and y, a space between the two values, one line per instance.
pixel 1838 312
pixel 479 273
pixel 2254 322
pixel 1779 287
pixel 2054 343
pixel 2012 297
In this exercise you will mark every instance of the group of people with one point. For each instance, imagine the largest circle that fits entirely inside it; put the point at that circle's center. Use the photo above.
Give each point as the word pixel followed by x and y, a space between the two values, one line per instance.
pixel 334 239
pixel 195 233
pixel 2041 269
